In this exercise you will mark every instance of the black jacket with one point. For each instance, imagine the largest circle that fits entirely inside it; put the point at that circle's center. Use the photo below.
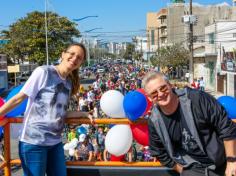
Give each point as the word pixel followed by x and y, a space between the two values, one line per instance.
pixel 211 124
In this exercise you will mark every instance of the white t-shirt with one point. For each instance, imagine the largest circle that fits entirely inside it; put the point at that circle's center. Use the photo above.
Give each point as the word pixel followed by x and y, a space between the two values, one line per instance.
pixel 48 96
pixel 95 85
pixel 90 96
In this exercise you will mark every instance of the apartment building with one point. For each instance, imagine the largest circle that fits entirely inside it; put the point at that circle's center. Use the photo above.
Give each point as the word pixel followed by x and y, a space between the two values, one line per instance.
pixel 220 41
pixel 152 31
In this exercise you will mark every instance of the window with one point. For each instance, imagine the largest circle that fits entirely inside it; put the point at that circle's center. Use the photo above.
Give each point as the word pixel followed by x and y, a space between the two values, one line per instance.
pixel 212 38
pixel 152 37
pixel 163 20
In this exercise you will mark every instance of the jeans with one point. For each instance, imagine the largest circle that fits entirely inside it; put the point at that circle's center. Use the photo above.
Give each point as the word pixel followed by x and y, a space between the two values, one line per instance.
pixel 39 160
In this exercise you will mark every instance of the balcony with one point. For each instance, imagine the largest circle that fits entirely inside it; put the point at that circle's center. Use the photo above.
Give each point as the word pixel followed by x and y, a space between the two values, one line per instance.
pixel 162 14
pixel 163 34
pixel 163 25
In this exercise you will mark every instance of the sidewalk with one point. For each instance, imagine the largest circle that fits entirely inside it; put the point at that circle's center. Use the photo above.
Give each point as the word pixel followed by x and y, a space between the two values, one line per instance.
pixel 214 93
pixel 182 84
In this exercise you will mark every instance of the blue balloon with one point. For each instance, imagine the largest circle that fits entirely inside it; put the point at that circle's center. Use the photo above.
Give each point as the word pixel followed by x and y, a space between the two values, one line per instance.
pixel 229 103
pixel 1 131
pixel 111 125
pixel 134 105
pixel 82 130
pixel 20 109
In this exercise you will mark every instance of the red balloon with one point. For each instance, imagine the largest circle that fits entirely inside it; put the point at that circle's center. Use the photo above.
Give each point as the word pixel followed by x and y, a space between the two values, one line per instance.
pixel 140 133
pixel 1 103
pixel 149 103
pixel 117 158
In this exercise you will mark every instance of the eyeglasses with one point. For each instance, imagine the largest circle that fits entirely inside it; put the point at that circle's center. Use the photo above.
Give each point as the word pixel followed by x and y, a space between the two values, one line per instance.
pixel 73 54
pixel 163 89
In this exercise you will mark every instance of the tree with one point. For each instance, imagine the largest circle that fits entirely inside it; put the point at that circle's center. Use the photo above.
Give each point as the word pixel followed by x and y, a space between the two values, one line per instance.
pixel 174 55
pixel 27 37
pixel 129 51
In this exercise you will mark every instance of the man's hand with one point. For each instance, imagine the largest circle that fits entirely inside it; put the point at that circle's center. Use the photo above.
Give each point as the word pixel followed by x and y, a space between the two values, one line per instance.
pixel 178 168
pixel 230 169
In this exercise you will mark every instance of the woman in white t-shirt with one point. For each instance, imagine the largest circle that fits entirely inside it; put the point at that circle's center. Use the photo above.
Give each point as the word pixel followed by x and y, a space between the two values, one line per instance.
pixel 48 91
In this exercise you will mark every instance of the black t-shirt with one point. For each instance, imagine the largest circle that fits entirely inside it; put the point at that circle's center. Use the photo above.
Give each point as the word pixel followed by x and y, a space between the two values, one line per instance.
pixel 182 139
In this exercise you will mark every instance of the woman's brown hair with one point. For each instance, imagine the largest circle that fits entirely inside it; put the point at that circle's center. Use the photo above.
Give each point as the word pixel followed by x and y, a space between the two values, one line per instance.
pixel 74 75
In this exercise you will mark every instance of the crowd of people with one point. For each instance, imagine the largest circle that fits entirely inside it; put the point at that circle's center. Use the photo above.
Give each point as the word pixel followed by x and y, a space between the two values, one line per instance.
pixel 91 146
pixel 188 129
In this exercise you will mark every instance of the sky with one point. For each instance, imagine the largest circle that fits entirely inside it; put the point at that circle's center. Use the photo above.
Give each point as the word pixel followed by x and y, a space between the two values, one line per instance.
pixel 118 20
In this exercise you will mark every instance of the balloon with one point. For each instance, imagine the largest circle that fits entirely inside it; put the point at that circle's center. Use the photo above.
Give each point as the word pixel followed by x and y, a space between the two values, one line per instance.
pixel 229 103
pixel 82 130
pixel 71 152
pixel 111 125
pixel 112 104
pixel 66 146
pixel 140 133
pixel 117 158
pixel 1 131
pixel 118 140
pixel 149 103
pixel 134 104
pixel 73 143
pixel 1 103
pixel 21 107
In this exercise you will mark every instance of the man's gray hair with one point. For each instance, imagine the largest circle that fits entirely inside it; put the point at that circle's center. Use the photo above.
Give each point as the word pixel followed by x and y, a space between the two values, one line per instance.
pixel 153 75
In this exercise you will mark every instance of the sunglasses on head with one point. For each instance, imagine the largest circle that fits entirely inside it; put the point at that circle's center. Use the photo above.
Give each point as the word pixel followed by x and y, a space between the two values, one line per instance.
pixel 162 89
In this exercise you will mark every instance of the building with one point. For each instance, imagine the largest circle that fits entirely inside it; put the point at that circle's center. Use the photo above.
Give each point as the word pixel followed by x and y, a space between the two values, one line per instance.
pixel 177 30
pixel 141 46
pixel 152 32
pixel 162 28
pixel 221 42
pixel 3 72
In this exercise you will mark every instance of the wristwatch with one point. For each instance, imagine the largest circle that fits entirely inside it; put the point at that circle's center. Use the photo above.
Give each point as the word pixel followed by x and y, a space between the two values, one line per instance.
pixel 231 158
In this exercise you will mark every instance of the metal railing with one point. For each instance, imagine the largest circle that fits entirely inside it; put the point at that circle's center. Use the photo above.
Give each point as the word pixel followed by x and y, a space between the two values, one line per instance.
pixel 6 165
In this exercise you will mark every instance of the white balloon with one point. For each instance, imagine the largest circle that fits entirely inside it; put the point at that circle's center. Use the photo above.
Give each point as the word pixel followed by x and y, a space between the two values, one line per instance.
pixel 66 146
pixel 71 152
pixel 74 143
pixel 119 140
pixel 112 104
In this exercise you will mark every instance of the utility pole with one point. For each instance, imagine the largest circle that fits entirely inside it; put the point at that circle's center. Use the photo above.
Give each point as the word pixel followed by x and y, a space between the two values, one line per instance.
pixel 158 47
pixel 191 62
pixel 142 51
pixel 46 32
pixel 158 39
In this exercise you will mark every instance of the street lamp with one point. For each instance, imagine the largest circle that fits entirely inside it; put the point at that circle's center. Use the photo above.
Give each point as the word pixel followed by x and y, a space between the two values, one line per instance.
pixel 92 29
pixel 90 16
pixel 80 19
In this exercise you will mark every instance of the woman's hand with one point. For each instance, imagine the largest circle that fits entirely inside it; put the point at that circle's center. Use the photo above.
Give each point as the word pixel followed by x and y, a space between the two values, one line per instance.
pixel 90 116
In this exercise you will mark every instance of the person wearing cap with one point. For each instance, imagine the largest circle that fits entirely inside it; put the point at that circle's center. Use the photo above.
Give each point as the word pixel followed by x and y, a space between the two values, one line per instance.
pixel 189 130
pixel 84 150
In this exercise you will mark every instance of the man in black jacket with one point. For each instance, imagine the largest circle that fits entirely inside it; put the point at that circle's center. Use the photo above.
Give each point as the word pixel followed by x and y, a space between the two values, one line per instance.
pixel 189 130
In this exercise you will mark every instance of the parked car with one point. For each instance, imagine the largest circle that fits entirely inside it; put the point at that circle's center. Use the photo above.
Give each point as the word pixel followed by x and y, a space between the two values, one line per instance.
pixel 100 70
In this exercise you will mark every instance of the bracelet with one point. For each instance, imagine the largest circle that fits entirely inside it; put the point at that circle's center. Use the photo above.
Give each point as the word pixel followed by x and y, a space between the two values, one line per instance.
pixel 231 158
